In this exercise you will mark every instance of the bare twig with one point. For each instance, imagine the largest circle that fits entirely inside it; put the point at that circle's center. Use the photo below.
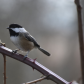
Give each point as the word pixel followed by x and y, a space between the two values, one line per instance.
pixel 80 29
pixel 42 69
pixel 4 57
pixel 4 68
pixel 37 80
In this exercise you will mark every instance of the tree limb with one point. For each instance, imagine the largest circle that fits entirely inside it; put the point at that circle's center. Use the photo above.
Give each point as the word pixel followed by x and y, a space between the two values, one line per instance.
pixel 42 69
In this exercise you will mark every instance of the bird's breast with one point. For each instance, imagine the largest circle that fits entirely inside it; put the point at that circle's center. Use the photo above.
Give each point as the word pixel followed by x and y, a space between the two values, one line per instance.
pixel 22 43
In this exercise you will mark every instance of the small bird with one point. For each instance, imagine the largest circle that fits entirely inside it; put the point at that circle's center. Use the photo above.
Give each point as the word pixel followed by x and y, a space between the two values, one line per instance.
pixel 23 40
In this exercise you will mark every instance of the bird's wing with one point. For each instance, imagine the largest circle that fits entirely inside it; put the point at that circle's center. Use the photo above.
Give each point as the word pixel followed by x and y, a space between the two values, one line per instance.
pixel 31 38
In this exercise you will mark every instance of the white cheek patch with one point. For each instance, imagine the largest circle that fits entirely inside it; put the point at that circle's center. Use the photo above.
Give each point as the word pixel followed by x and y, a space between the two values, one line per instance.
pixel 19 29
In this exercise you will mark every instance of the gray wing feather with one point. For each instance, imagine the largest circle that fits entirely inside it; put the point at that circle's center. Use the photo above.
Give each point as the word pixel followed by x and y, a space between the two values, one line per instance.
pixel 31 38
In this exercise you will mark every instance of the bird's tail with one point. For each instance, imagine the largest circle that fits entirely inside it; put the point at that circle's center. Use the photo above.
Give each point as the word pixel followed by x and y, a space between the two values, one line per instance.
pixel 45 52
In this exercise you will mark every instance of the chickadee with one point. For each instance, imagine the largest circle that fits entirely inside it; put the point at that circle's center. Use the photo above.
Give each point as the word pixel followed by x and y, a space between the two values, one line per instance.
pixel 23 40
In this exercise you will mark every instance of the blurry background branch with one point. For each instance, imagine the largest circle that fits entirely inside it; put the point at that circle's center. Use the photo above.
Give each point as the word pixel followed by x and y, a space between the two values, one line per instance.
pixel 45 71
pixel 80 32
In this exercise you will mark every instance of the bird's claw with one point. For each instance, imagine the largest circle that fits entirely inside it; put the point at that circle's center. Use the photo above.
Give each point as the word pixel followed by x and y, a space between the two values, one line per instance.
pixel 25 57
pixel 14 51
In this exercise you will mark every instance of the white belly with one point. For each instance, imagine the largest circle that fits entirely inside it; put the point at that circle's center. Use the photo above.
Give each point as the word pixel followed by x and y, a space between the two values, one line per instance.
pixel 22 43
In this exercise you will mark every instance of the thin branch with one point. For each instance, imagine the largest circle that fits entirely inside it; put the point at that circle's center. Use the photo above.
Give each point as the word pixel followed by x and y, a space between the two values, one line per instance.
pixel 74 82
pixel 80 29
pixel 4 68
pixel 39 67
pixel 35 81
pixel 4 57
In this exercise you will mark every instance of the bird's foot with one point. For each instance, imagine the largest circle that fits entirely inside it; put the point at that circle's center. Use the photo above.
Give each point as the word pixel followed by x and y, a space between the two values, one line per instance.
pixel 15 51
pixel 25 57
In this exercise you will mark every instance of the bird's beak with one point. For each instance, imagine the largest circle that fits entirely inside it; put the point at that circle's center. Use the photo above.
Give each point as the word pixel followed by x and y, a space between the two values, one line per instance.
pixel 7 27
